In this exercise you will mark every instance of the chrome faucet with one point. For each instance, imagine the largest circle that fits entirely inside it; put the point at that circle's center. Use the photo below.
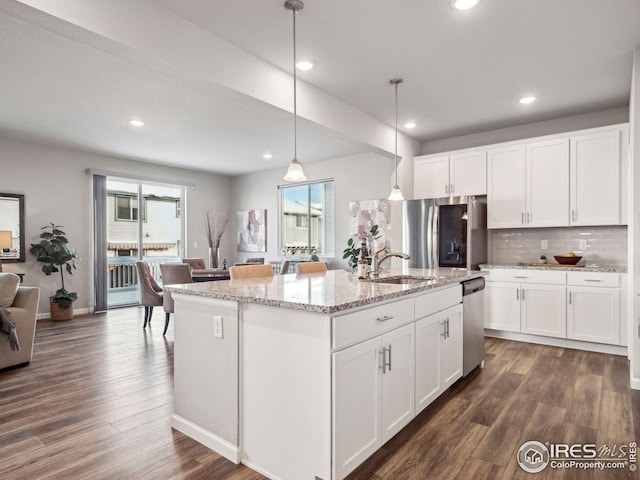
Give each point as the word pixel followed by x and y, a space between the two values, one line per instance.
pixel 378 259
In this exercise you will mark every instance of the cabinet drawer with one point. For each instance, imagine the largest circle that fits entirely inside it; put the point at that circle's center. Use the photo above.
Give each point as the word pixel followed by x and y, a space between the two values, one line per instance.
pixel 526 276
pixel 593 279
pixel 367 323
pixel 434 302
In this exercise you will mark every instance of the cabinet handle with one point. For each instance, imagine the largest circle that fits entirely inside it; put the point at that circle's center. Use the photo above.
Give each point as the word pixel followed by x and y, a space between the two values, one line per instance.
pixel 520 276
pixel 447 328
pixel 446 188
pixel 528 219
pixel 443 332
pixel 451 188
pixel 383 367
pixel 570 293
pixel 384 318
pixel 591 280
pixel 517 294
pixel 389 363
pixel 573 215
pixel 523 294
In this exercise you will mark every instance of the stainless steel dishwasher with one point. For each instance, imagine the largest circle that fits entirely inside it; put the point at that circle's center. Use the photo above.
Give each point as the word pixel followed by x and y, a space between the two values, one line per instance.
pixel 472 324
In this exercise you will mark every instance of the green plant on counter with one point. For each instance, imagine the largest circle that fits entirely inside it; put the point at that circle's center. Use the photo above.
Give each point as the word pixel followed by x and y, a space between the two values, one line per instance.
pixel 56 256
pixel 354 252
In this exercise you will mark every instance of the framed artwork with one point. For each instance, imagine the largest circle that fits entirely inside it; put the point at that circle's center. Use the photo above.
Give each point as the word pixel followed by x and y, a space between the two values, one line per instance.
pixel 366 213
pixel 252 231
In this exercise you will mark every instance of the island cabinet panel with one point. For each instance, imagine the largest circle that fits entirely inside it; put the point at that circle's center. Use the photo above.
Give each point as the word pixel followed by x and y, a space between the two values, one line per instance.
pixel 370 322
pixel 372 396
pixel 438 354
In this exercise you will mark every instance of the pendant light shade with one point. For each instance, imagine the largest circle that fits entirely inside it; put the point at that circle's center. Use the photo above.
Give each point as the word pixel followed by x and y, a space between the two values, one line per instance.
pixel 396 194
pixel 294 172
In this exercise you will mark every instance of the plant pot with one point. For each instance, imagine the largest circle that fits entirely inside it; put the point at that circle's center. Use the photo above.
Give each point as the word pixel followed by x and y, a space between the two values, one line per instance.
pixel 59 313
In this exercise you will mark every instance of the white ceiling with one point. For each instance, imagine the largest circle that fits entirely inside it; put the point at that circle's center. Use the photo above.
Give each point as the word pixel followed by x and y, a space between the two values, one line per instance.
pixel 463 72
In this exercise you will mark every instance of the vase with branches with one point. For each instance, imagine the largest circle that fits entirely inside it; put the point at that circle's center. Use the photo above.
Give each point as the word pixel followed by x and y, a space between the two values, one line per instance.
pixel 214 225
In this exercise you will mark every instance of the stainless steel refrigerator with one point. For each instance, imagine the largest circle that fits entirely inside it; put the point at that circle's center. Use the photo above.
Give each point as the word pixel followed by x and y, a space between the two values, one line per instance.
pixel 446 232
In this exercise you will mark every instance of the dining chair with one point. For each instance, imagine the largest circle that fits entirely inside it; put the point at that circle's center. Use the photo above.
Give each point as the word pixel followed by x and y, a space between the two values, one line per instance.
pixel 284 267
pixel 311 267
pixel 251 271
pixel 150 292
pixel 172 273
pixel 195 262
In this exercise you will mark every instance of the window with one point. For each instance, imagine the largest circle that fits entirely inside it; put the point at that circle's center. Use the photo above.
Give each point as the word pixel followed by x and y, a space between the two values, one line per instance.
pixel 306 218
pixel 126 208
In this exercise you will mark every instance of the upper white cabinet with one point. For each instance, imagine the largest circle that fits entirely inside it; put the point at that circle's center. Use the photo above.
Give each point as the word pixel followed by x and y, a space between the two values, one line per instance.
pixel 595 178
pixel 563 180
pixel 528 185
pixel 458 174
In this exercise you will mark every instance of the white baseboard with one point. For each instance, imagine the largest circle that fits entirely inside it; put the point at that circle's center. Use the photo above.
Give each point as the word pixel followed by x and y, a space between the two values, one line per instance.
pixel 635 383
pixel 76 311
pixel 558 342
pixel 261 471
pixel 206 438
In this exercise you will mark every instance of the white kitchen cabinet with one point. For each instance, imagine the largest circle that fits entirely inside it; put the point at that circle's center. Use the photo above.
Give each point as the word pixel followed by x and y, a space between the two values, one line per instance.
pixel 459 174
pixel 595 178
pixel 373 391
pixel 529 185
pixel 506 173
pixel 547 189
pixel 502 306
pixel 543 310
pixel 593 311
pixel 438 354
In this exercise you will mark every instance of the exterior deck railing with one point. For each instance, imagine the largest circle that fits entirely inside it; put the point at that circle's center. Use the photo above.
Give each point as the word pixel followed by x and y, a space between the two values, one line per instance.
pixel 122 272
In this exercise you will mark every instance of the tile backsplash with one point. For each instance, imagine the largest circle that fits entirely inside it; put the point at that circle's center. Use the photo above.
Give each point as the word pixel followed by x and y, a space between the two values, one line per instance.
pixel 605 245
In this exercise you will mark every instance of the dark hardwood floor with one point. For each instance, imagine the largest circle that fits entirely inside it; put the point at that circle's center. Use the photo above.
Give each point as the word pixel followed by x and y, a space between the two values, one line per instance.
pixel 96 401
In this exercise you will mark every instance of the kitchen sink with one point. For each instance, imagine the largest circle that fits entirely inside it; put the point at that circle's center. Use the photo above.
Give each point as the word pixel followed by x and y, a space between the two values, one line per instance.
pixel 402 280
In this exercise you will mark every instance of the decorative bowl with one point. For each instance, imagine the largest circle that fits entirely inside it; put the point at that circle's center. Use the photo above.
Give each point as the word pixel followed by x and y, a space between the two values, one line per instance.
pixel 567 260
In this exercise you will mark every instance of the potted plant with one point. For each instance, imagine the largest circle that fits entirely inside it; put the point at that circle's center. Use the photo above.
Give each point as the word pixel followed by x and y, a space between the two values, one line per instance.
pixel 353 252
pixel 54 253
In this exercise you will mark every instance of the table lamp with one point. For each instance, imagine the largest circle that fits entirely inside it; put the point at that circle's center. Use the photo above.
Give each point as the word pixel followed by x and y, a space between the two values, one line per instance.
pixel 5 242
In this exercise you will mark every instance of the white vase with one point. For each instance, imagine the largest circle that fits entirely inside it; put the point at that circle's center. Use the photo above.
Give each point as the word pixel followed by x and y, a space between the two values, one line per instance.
pixel 214 257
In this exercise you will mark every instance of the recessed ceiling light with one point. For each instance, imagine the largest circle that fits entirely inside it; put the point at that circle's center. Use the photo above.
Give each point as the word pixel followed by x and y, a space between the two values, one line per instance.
pixel 527 100
pixel 464 4
pixel 267 156
pixel 136 123
pixel 410 125
pixel 305 65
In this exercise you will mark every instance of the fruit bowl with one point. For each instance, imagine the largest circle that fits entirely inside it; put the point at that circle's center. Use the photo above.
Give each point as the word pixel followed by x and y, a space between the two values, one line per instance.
pixel 567 259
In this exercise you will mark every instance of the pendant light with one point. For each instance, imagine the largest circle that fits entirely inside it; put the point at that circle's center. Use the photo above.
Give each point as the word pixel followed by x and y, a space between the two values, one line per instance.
pixel 294 172
pixel 396 194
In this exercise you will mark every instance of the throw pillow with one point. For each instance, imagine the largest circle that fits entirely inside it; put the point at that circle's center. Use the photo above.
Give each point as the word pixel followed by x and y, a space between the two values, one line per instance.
pixel 9 283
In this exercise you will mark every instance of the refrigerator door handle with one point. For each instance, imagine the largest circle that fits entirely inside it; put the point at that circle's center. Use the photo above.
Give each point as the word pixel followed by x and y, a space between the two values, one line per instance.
pixel 435 259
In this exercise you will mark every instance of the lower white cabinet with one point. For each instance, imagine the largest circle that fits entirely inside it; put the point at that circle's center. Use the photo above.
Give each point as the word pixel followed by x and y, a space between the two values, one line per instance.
pixel 373 392
pixel 584 306
pixel 543 310
pixel 438 354
pixel 593 314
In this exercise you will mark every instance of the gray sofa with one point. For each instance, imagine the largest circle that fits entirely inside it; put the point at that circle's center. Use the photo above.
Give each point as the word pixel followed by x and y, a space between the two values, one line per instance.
pixel 23 313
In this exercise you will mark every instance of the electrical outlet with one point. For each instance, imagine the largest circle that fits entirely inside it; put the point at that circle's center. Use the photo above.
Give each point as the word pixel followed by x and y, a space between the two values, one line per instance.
pixel 195 244
pixel 582 245
pixel 217 327
pixel 544 244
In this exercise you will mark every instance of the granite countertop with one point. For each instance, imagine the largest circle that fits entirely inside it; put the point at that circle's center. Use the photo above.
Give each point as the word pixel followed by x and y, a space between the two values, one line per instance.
pixel 330 292
pixel 563 268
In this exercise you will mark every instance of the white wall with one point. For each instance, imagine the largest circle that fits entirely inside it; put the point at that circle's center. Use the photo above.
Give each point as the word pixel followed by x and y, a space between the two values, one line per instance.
pixel 549 127
pixel 634 220
pixel 58 190
pixel 358 177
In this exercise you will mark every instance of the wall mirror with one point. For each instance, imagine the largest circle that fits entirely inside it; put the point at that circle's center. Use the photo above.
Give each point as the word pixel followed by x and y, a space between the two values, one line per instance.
pixel 12 227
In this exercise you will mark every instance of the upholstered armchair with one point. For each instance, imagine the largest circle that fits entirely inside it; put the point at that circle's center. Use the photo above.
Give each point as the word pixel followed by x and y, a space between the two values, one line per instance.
pixel 22 305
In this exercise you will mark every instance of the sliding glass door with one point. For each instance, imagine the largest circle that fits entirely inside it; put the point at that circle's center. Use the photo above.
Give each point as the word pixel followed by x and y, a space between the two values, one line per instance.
pixel 144 221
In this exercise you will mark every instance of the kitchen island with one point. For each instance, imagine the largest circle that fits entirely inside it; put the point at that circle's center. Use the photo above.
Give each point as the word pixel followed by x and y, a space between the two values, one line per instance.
pixel 306 376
